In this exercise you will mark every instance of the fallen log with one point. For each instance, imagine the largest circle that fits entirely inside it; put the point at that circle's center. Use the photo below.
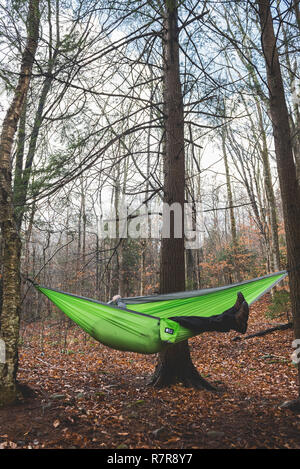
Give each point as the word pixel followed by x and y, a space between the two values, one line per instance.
pixel 280 327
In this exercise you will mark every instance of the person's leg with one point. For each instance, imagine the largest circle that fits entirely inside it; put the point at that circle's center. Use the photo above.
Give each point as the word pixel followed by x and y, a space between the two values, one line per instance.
pixel 234 318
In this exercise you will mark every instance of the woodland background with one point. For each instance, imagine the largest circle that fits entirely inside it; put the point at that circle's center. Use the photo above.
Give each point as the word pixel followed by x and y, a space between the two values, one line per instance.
pixel 91 129
pixel 90 132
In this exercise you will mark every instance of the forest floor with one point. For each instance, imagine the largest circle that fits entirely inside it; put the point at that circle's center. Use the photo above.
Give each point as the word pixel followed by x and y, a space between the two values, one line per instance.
pixel 89 396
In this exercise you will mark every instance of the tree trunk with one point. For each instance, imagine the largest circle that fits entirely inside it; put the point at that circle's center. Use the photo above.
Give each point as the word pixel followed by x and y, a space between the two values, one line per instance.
pixel 275 261
pixel 289 186
pixel 234 237
pixel 12 245
pixel 297 11
pixel 174 364
pixel 292 83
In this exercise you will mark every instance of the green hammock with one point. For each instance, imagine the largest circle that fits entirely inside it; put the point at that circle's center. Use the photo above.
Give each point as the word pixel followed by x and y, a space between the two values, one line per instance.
pixel 142 325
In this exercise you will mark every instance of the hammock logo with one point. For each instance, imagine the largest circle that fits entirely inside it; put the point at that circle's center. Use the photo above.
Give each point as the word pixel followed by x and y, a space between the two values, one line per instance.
pixel 2 351
pixel 169 331
pixel 296 355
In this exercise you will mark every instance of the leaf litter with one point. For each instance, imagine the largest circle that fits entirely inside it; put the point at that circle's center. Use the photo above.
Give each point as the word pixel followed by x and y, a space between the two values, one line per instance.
pixel 95 397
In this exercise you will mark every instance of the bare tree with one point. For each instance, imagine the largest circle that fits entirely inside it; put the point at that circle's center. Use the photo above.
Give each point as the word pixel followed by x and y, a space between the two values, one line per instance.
pixel 10 237
pixel 290 190
pixel 174 363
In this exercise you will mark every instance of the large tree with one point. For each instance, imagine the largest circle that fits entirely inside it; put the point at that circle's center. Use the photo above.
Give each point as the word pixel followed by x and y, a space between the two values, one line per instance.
pixel 174 363
pixel 10 313
pixel 289 184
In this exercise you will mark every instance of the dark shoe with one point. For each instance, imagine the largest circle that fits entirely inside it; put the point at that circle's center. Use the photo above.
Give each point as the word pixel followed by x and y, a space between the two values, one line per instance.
pixel 241 318
pixel 240 300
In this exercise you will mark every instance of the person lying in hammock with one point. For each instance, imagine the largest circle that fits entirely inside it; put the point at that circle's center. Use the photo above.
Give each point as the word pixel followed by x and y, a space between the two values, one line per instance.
pixel 235 318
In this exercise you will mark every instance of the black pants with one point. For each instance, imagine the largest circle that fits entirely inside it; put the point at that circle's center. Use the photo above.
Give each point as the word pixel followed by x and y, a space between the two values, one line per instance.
pixel 221 323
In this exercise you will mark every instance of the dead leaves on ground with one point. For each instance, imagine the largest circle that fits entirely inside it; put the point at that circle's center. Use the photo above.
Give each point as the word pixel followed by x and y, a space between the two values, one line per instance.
pixel 89 396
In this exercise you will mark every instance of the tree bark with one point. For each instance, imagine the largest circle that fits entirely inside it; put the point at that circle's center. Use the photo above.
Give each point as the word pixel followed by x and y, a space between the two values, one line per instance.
pixel 172 253
pixel 289 186
pixel 12 245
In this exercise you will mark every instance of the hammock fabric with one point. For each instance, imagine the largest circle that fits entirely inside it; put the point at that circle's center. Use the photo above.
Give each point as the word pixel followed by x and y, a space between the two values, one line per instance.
pixel 142 324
